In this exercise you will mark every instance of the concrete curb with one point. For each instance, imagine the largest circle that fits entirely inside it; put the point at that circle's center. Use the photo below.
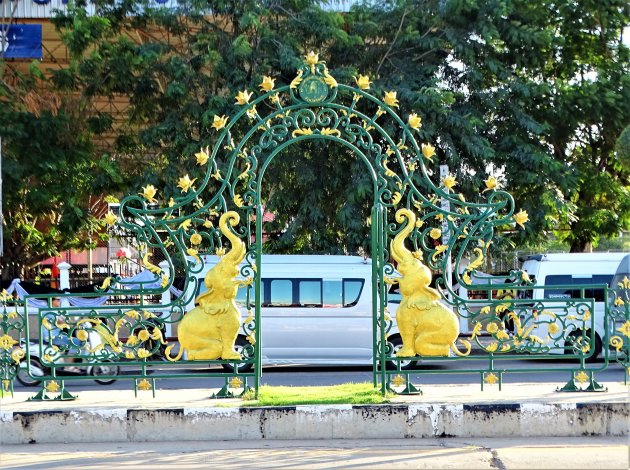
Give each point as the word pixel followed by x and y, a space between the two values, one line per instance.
pixel 393 421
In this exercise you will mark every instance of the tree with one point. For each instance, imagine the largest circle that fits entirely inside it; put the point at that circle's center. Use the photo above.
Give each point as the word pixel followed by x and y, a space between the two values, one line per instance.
pixel 49 171
pixel 497 84
pixel 587 72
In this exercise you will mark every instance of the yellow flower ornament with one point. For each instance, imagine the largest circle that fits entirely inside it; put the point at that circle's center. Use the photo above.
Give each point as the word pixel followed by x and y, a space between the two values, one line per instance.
pixel 363 82
pixel 149 192
pixel 491 184
pixel 390 99
pixel 185 183
pixel 428 151
pixel 521 218
pixel 110 218
pixel 202 157
pixel 219 122
pixel 242 97
pixel 414 121
pixel 449 182
pixel 267 84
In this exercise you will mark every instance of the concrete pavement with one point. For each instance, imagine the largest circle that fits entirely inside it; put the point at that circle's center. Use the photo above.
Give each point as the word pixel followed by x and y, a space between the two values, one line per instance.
pixel 473 453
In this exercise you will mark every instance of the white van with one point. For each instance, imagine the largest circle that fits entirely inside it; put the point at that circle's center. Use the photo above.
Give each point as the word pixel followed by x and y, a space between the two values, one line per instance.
pixel 315 309
pixel 574 270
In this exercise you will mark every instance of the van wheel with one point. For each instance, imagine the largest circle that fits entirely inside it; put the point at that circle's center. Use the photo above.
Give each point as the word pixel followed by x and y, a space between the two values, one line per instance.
pixel 239 347
pixel 397 343
pixel 574 337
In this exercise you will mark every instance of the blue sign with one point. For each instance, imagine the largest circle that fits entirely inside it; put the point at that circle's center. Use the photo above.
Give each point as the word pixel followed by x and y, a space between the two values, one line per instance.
pixel 24 41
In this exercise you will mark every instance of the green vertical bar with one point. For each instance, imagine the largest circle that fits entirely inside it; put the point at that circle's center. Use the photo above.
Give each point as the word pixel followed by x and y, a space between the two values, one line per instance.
pixel 382 221
pixel 374 243
pixel 257 295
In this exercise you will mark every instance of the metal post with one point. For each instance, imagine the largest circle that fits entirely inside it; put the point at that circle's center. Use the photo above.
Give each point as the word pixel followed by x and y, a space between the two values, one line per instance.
pixel 446 236
pixel 166 301
pixel 1 211
pixel 64 275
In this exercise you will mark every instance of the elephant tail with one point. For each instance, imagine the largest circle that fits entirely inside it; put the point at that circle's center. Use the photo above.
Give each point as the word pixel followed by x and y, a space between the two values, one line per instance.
pixel 466 345
pixel 167 353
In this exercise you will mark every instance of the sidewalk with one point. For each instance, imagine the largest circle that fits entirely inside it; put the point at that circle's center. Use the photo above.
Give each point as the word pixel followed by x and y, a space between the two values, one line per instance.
pixel 441 411
pixel 386 454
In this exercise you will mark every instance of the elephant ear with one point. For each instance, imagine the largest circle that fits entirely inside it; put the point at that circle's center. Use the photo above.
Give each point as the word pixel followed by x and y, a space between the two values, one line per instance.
pixel 205 294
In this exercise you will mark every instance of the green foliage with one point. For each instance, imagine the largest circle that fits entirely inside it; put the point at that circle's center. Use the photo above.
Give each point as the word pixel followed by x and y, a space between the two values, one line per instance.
pixel 533 92
pixel 49 172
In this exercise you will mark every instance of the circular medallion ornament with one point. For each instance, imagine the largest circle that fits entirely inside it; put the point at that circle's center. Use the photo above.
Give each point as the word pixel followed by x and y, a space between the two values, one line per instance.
pixel 313 89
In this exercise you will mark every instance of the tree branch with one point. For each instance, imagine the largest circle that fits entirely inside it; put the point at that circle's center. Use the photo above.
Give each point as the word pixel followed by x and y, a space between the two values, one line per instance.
pixel 391 46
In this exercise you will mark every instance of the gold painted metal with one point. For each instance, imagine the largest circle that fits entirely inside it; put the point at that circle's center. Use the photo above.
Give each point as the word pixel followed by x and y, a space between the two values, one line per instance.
pixel 582 377
pixel 491 379
pixel 52 387
pixel 398 380
pixel 144 384
pixel 235 382
pixel 209 330
pixel 427 327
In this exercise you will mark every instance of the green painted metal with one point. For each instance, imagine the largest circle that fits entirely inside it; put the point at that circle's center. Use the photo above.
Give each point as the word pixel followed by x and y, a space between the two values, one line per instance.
pixel 12 334
pixel 230 177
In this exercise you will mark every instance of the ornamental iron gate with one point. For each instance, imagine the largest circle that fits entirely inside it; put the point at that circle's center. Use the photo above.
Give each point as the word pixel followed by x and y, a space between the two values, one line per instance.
pixel 419 226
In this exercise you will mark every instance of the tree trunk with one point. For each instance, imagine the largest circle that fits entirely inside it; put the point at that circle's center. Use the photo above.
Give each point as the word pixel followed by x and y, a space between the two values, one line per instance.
pixel 581 246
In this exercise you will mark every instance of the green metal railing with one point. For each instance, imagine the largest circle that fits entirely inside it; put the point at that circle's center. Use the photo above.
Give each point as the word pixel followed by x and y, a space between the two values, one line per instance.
pixel 183 231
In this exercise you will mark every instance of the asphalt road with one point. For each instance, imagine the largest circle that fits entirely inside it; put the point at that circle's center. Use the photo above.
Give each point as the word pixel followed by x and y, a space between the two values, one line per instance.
pixel 451 372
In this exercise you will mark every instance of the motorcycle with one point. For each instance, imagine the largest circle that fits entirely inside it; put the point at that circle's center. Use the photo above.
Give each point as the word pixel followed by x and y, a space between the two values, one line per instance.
pixel 31 374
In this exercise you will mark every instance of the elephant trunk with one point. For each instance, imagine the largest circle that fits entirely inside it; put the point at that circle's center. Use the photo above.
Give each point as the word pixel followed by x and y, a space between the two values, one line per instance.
pixel 397 246
pixel 238 250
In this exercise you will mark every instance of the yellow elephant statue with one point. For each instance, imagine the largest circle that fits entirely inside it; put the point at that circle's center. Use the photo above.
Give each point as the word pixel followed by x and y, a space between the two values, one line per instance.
pixel 426 326
pixel 210 329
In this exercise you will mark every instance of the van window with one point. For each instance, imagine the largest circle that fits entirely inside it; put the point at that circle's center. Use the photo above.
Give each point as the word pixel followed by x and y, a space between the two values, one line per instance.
pixel 280 293
pixel 352 291
pixel 573 291
pixel 333 293
pixel 241 296
pixel 310 293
